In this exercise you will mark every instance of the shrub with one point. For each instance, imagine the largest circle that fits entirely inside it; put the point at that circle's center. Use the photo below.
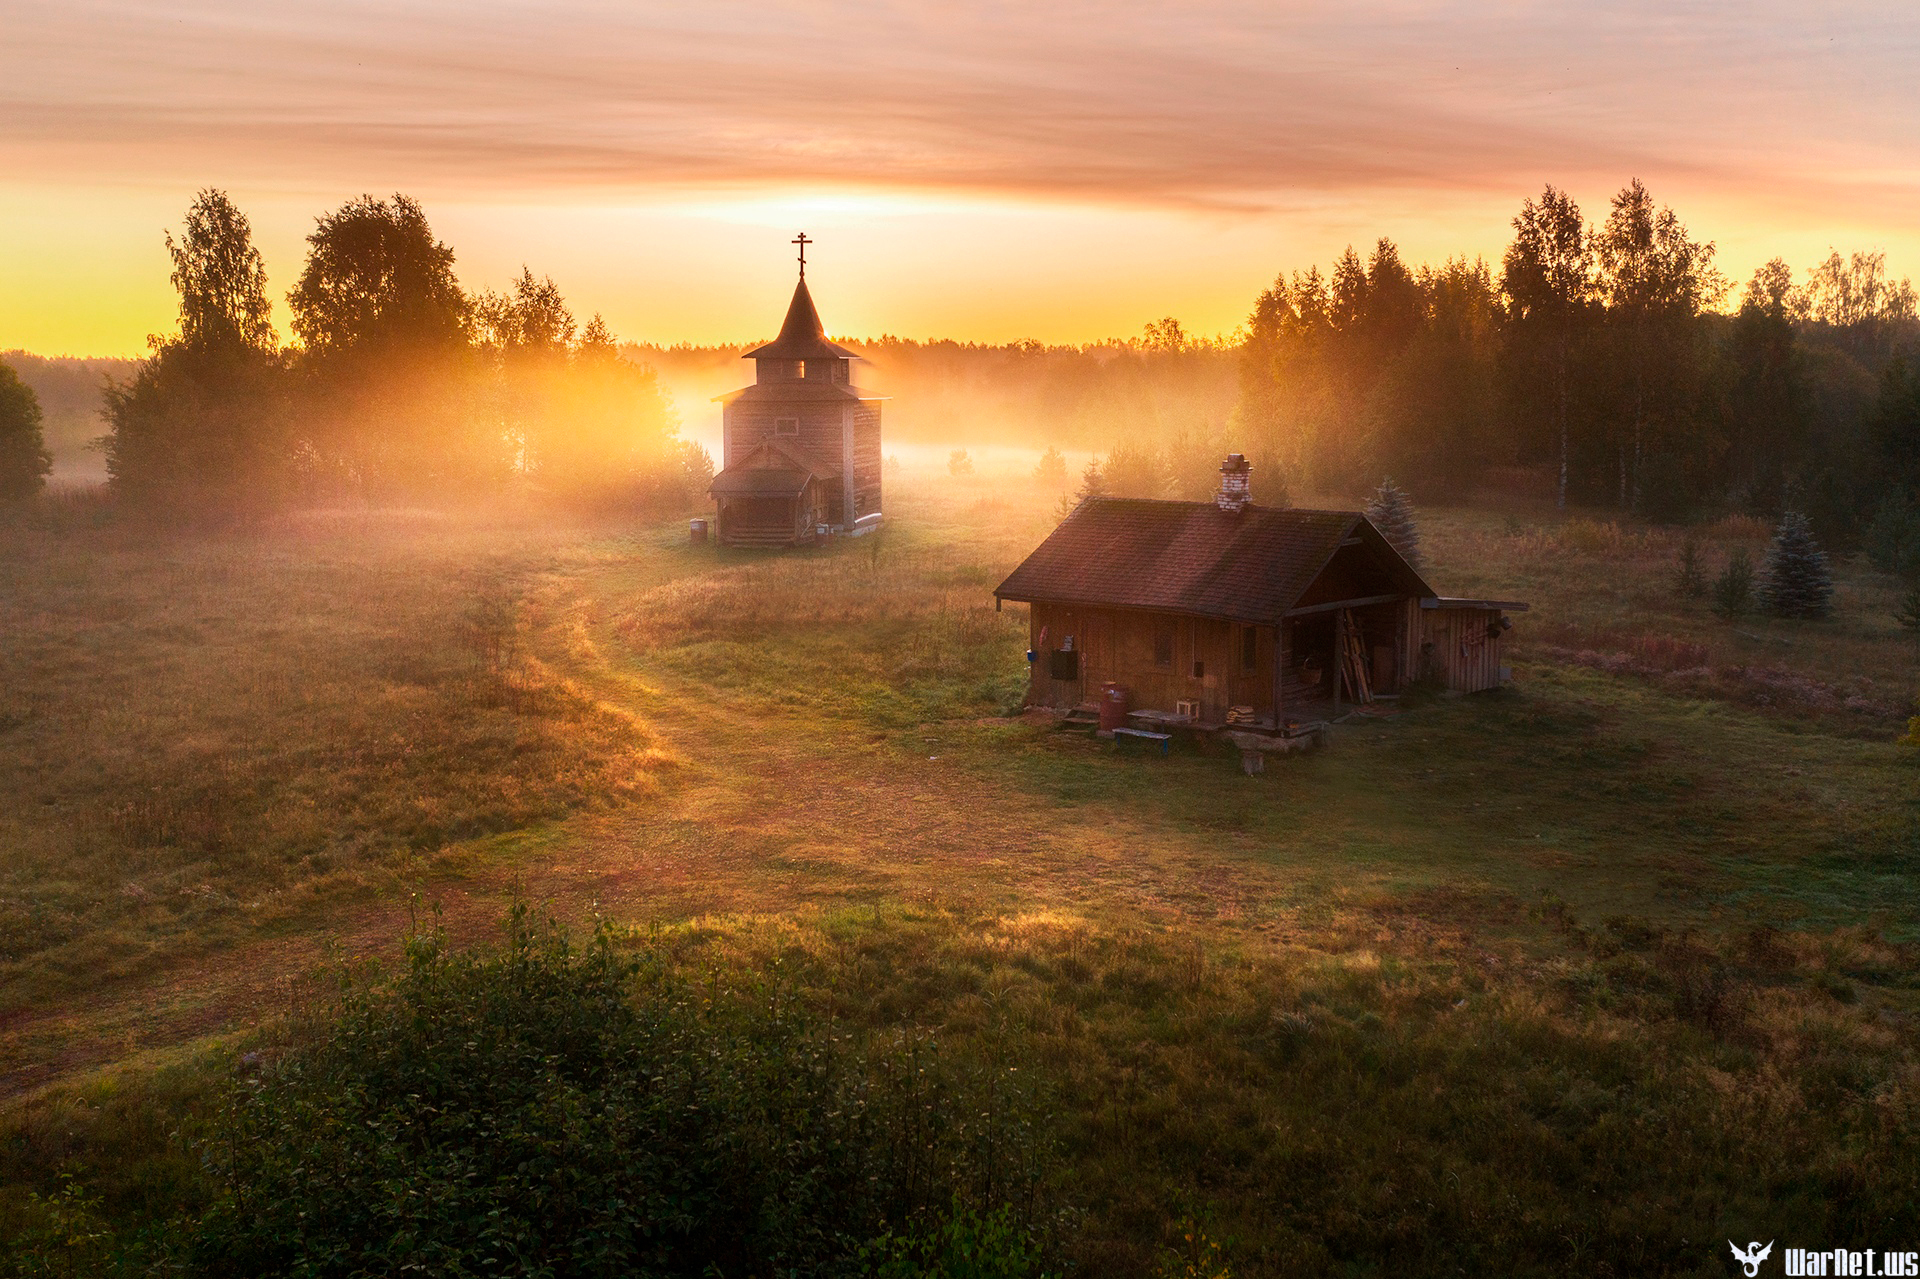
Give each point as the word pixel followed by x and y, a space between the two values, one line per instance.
pixel 1796 580
pixel 1689 576
pixel 1733 589
pixel 959 463
pixel 563 1110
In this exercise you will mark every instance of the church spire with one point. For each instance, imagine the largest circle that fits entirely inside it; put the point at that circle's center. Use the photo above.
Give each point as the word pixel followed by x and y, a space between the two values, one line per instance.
pixel 802 335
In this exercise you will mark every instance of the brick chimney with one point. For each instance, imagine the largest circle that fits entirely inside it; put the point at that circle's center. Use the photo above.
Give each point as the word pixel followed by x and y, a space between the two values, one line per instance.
pixel 1236 484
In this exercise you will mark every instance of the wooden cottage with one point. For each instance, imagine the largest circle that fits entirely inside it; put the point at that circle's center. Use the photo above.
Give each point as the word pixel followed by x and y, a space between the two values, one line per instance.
pixel 1199 608
pixel 801 446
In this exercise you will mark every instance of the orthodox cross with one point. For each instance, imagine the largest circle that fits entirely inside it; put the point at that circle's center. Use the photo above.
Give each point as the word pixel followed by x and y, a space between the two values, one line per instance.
pixel 803 242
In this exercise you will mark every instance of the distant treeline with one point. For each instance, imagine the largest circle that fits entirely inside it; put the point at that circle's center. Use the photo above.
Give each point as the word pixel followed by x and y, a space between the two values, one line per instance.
pixel 1597 363
pixel 1594 358
pixel 1159 386
pixel 400 384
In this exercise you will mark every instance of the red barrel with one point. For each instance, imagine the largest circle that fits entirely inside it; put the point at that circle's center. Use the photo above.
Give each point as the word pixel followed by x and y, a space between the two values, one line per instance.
pixel 1113 707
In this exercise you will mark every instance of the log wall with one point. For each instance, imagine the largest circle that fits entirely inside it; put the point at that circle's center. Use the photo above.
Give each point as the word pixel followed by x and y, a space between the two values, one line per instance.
pixel 1207 660
pixel 1457 649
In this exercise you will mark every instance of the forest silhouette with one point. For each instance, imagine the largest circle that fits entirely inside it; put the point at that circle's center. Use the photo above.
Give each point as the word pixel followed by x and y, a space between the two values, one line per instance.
pixel 1593 364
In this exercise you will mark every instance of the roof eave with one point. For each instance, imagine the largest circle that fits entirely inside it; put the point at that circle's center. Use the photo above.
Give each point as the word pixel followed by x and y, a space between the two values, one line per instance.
pixel 1242 618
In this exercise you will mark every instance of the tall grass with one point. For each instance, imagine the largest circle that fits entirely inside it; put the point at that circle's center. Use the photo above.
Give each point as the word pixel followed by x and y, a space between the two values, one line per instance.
pixel 204 731
pixel 1584 976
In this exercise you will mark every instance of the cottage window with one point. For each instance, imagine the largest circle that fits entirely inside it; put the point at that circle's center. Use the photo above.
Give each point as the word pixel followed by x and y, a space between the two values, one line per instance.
pixel 786 426
pixel 1163 644
pixel 1249 648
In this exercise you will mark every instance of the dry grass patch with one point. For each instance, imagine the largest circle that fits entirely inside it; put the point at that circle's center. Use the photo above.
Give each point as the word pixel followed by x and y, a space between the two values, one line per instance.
pixel 202 731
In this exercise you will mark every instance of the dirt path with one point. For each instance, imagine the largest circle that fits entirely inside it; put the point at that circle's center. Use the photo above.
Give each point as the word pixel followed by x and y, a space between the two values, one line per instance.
pixel 756 817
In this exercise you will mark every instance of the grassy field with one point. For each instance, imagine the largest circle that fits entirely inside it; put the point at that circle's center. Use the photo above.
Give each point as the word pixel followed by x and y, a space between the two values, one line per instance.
pixel 1582 976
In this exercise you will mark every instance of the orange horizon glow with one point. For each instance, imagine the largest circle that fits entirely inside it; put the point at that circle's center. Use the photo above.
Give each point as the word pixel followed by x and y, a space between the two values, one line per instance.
pixel 978 172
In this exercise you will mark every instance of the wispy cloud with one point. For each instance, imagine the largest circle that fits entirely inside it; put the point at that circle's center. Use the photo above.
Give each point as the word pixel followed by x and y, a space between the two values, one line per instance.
pixel 1224 103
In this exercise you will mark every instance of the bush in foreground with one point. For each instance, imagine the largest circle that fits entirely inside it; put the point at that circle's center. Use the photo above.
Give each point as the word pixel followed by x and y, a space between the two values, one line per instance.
pixel 557 1110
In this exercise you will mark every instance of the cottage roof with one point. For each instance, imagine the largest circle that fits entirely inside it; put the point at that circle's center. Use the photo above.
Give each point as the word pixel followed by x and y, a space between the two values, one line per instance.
pixel 1192 557
pixel 802 336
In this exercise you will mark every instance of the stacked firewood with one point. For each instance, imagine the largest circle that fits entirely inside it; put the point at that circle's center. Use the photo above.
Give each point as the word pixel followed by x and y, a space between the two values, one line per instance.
pixel 1353 665
pixel 1241 715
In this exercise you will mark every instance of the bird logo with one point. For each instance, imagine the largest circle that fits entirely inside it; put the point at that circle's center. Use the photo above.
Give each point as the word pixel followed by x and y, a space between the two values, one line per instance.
pixel 1751 1256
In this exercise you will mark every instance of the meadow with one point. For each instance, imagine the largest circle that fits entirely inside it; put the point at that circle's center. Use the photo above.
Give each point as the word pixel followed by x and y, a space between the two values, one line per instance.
pixel 1583 976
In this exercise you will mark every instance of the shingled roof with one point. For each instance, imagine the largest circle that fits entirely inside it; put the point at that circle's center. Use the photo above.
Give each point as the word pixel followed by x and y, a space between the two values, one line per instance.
pixel 1192 557
pixel 772 468
pixel 802 336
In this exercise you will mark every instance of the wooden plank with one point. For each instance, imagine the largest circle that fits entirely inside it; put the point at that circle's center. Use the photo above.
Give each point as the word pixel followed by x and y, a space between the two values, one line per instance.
pixel 1339 646
pixel 1279 671
pixel 1341 604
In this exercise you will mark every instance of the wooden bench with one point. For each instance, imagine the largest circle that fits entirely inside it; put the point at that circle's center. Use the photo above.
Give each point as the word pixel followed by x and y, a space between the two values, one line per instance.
pixel 1142 735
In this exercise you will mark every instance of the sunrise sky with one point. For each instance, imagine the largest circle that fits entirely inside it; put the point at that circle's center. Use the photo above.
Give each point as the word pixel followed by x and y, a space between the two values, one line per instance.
pixel 1060 171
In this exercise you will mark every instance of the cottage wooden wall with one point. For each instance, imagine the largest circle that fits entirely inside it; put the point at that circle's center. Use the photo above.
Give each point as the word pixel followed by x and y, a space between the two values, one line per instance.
pixel 1120 645
pixel 1464 656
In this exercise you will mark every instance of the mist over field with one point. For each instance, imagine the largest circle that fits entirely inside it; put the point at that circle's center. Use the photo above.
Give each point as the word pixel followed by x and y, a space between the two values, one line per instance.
pixel 460 814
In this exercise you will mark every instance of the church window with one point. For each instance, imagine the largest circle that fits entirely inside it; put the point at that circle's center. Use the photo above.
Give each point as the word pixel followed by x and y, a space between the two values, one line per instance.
pixel 786 426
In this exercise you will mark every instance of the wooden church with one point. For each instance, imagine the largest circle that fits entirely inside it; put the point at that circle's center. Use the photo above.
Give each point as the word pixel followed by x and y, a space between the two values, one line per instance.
pixel 801 447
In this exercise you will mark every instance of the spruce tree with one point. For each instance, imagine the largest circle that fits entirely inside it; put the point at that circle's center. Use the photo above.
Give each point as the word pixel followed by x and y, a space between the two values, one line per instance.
pixel 1795 581
pixel 1391 511
pixel 24 460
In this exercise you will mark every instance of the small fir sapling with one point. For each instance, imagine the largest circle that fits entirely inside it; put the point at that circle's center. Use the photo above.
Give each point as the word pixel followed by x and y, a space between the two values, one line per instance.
pixel 1051 470
pixel 1689 575
pixel 1092 484
pixel 1796 580
pixel 1391 511
pixel 1733 589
